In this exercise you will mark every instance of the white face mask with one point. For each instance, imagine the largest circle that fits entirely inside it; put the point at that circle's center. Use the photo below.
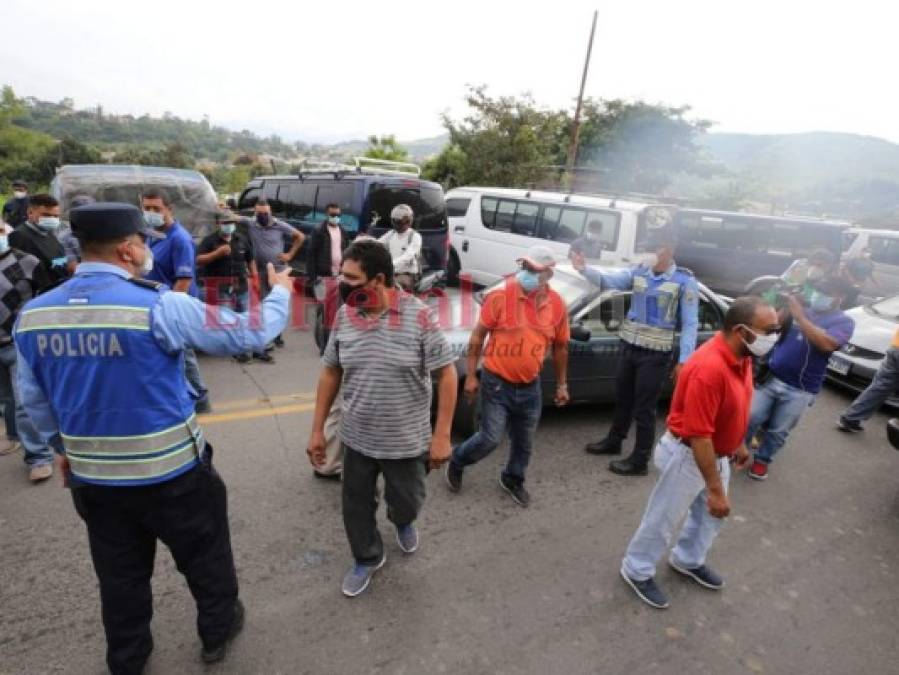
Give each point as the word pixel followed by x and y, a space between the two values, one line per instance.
pixel 763 343
pixel 19 194
pixel 48 223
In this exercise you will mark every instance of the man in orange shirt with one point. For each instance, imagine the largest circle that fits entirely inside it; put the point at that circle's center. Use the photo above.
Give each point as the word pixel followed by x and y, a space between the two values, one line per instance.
pixel 521 320
pixel 706 427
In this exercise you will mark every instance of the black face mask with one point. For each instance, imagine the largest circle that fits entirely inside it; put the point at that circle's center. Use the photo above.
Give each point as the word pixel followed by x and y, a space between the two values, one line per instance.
pixel 263 218
pixel 358 298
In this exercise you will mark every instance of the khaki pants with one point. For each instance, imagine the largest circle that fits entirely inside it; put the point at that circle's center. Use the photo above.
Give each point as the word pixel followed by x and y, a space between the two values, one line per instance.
pixel 333 447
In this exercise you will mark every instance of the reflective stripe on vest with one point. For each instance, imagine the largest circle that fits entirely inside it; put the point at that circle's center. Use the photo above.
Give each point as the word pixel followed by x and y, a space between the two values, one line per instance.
pixel 133 445
pixel 126 457
pixel 648 337
pixel 136 469
pixel 87 316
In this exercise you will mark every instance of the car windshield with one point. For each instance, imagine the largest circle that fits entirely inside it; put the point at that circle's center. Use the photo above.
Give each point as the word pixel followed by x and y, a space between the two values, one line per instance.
pixel 566 282
pixel 888 308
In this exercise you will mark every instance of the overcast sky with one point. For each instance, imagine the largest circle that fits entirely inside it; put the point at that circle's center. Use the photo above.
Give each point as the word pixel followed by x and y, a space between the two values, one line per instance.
pixel 328 71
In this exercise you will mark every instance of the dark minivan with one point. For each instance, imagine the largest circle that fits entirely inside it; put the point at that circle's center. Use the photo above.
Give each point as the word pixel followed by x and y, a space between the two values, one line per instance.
pixel 366 195
pixel 728 251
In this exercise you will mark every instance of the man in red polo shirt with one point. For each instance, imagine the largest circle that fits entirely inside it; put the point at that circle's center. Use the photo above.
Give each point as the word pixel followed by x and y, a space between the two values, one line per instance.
pixel 522 319
pixel 706 427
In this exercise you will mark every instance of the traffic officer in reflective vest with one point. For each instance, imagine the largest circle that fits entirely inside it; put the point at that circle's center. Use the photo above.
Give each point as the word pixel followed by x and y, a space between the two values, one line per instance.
pixel 665 299
pixel 101 376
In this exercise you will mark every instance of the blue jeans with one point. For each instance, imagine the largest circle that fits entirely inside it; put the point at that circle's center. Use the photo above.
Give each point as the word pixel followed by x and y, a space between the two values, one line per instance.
pixel 884 384
pixel 680 491
pixel 504 406
pixel 36 451
pixel 777 406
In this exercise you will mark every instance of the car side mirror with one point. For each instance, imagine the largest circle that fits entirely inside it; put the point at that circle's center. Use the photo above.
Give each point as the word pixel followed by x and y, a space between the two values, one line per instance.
pixel 580 334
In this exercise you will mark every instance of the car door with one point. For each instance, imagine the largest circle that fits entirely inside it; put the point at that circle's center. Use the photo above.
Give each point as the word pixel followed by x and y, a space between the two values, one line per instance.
pixel 592 365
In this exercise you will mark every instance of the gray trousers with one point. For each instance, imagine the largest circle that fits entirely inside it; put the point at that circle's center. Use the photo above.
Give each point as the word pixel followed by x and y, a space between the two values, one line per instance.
pixel 404 492
pixel 192 373
pixel 885 383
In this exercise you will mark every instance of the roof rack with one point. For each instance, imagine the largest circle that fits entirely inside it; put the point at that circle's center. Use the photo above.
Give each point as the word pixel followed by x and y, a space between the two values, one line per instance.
pixel 360 165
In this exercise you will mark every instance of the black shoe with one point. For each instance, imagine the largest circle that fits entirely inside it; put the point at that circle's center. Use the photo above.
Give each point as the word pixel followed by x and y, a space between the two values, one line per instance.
pixel 265 357
pixel 629 467
pixel 242 358
pixel 453 476
pixel 648 591
pixel 278 341
pixel 216 654
pixel 516 490
pixel 326 476
pixel 203 406
pixel 606 446
pixel 849 426
pixel 703 575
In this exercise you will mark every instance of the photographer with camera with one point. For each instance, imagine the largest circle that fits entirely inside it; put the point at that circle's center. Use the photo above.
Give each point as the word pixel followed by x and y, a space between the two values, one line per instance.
pixel 797 366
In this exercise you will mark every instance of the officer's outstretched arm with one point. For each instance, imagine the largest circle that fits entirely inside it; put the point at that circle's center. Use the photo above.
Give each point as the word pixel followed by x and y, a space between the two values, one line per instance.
pixel 181 321
pixel 689 318
pixel 621 280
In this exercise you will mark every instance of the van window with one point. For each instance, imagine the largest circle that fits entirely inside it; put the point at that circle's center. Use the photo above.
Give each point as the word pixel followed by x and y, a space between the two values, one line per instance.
pixel 549 219
pixel 884 250
pixel 457 207
pixel 298 200
pixel 505 215
pixel 426 203
pixel 249 198
pixel 525 221
pixel 571 225
pixel 340 193
pixel 270 191
pixel 488 211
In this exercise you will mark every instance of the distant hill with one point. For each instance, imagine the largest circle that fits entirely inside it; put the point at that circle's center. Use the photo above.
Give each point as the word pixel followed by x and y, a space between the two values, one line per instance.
pixel 419 150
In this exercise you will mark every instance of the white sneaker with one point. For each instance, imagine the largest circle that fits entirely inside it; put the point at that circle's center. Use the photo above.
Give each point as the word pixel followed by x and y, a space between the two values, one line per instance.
pixel 40 473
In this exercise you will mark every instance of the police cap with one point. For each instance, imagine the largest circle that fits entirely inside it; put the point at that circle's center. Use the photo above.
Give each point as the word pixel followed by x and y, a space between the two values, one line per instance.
pixel 106 221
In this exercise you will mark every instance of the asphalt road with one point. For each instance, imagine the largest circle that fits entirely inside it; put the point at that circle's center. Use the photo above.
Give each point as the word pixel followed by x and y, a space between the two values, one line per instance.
pixel 811 559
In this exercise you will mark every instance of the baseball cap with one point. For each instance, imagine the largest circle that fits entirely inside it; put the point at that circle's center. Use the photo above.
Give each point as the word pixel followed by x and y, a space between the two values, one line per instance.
pixel 538 259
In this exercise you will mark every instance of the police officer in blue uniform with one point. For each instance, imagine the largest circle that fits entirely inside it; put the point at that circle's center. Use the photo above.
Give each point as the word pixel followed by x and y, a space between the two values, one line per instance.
pixel 665 299
pixel 101 375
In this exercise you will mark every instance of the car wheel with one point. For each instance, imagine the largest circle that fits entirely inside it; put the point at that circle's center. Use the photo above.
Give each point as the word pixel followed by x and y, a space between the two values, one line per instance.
pixel 467 418
pixel 452 269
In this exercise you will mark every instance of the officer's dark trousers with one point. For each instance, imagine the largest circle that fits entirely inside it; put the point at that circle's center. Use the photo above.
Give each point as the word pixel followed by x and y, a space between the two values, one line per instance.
pixel 189 514
pixel 404 491
pixel 641 375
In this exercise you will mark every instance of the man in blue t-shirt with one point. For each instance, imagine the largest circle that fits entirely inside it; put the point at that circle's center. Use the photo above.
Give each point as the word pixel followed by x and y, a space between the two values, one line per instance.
pixel 174 265
pixel 797 366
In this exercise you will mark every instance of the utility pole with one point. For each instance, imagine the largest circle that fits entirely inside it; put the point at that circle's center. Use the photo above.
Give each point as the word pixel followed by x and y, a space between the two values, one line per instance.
pixel 576 127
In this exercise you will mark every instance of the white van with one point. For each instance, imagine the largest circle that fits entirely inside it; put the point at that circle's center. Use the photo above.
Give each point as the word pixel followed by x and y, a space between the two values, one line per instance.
pixel 491 227
pixel 883 246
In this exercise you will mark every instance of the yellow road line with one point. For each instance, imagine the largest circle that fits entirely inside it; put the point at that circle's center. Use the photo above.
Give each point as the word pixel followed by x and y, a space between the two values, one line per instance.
pixel 251 414
pixel 263 400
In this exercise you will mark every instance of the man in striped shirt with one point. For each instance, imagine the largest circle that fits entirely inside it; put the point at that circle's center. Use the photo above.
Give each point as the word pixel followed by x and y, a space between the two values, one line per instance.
pixel 383 348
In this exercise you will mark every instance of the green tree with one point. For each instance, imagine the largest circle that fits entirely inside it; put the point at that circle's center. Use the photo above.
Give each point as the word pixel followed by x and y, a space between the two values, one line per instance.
pixel 20 149
pixel 503 141
pixel 386 147
pixel 67 151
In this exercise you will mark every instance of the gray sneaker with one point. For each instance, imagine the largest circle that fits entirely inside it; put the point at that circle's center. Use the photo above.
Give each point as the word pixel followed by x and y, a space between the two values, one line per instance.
pixel 407 538
pixel 648 591
pixel 359 577
pixel 702 575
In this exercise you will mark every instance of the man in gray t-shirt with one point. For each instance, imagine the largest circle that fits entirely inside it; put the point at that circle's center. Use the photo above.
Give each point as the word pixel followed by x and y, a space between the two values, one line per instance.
pixel 268 237
pixel 380 355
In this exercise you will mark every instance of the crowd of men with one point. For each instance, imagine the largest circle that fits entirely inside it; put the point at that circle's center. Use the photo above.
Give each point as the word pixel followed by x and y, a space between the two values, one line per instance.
pixel 98 343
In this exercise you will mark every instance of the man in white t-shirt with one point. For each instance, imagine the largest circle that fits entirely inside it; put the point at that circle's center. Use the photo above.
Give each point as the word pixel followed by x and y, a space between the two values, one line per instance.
pixel 404 245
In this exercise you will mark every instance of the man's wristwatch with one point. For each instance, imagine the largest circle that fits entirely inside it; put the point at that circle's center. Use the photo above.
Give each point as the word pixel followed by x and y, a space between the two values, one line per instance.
pixel 562 385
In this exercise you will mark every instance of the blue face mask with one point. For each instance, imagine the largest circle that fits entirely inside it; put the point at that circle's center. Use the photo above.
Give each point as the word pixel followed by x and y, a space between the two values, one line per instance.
pixel 820 302
pixel 153 219
pixel 228 228
pixel 529 280
pixel 4 243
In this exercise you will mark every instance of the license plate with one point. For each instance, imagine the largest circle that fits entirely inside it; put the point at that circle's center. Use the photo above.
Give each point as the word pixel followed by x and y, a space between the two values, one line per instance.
pixel 838 365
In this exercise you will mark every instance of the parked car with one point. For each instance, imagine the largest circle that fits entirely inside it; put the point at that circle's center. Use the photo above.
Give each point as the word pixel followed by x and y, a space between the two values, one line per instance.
pixel 854 365
pixel 366 191
pixel 595 347
pixel 735 253
pixel 492 226
pixel 193 199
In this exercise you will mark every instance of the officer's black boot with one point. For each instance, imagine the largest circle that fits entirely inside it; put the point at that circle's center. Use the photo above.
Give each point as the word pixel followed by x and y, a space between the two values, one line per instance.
pixel 634 464
pixel 607 446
